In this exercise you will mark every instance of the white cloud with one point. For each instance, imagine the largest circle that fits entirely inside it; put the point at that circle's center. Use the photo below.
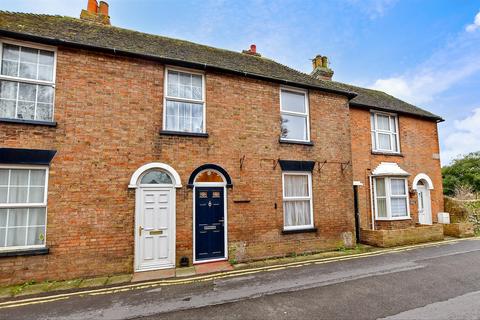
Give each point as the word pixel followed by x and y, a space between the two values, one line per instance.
pixel 475 25
pixel 424 84
pixel 374 8
pixel 421 85
pixel 450 64
pixel 464 139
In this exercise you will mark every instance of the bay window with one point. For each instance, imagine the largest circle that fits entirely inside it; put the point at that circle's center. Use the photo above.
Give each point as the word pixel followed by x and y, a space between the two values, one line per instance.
pixel 294 111
pixel 23 205
pixel 384 129
pixel 184 108
pixel 297 200
pixel 27 81
pixel 391 198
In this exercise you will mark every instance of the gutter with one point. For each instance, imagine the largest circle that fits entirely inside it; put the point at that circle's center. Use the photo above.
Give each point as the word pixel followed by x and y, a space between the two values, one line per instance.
pixel 177 62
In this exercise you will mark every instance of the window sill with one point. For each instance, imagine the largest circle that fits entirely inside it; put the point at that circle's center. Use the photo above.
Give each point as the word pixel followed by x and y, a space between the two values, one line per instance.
pixel 25 252
pixel 184 134
pixel 306 230
pixel 384 153
pixel 393 219
pixel 305 143
pixel 32 122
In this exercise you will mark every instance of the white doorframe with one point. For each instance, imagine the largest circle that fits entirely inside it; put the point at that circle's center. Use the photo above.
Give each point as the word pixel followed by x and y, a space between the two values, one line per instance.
pixel 427 204
pixel 225 219
pixel 172 227
pixel 139 189
pixel 427 186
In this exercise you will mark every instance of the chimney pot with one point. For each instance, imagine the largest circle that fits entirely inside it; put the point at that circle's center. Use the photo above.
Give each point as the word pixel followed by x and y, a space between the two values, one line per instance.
pixel 317 61
pixel 325 62
pixel 252 51
pixel 92 6
pixel 103 8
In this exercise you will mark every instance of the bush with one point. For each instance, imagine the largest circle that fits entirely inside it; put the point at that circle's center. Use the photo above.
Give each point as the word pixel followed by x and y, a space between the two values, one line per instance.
pixel 462 172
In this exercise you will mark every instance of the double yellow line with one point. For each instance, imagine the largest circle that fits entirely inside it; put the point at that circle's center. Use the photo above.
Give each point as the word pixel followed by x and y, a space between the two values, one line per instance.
pixel 220 275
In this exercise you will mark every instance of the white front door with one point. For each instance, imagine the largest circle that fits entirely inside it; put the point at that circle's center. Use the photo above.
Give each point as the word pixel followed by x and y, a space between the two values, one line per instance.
pixel 424 209
pixel 155 229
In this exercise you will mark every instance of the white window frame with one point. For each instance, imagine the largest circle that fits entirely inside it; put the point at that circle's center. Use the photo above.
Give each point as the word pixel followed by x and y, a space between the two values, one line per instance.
pixel 28 205
pixel 305 114
pixel 309 198
pixel 388 196
pixel 394 135
pixel 166 97
pixel 52 83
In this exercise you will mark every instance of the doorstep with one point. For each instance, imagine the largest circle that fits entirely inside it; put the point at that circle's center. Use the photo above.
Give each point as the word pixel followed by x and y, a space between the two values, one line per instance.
pixel 211 267
pixel 198 269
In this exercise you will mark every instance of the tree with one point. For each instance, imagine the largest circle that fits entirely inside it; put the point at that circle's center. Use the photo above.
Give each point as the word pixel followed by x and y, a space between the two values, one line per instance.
pixel 462 172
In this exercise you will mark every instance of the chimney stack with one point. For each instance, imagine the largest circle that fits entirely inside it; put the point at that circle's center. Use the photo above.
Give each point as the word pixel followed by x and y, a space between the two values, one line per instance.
pixel 96 13
pixel 321 70
pixel 252 51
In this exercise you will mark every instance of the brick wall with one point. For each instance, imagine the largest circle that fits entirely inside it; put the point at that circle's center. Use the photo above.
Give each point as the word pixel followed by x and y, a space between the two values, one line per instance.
pixel 109 114
pixel 419 154
pixel 399 237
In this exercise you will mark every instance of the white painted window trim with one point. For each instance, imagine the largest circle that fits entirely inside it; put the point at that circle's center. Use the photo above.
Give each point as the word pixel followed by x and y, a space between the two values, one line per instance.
pixel 29 205
pixel 166 97
pixel 394 135
pixel 225 214
pixel 305 115
pixel 388 196
pixel 138 174
pixel 31 81
pixel 419 177
pixel 309 198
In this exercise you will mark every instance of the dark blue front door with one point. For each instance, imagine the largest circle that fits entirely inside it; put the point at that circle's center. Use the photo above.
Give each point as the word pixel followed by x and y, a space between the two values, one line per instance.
pixel 209 223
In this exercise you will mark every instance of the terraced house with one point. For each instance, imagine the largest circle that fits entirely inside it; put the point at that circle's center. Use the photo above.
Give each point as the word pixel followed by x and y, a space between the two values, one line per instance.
pixel 122 152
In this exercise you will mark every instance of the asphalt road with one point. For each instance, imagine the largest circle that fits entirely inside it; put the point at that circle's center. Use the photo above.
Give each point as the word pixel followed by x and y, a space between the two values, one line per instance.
pixel 437 282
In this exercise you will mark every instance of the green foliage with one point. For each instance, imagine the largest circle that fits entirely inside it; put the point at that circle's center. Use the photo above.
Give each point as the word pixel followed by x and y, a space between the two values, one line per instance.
pixel 462 171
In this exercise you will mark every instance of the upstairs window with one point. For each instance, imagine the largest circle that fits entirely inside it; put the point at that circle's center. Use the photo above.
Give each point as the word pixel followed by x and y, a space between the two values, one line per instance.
pixel 391 198
pixel 27 82
pixel 23 205
pixel 294 115
pixel 384 129
pixel 184 102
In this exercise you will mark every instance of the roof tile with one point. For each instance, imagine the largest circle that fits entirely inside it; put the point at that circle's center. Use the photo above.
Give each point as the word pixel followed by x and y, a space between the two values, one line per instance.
pixel 72 31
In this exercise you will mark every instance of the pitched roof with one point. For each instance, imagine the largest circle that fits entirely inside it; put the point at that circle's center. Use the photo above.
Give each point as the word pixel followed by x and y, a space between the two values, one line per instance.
pixel 375 99
pixel 60 30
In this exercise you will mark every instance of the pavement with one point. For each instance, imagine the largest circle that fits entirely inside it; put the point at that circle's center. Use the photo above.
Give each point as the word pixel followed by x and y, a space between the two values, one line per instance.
pixel 440 281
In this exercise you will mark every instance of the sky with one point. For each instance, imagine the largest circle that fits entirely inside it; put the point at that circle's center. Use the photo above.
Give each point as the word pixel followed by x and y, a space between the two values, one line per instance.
pixel 426 52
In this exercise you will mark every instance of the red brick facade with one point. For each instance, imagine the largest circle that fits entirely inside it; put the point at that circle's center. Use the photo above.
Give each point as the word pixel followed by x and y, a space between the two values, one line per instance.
pixel 109 115
pixel 419 154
